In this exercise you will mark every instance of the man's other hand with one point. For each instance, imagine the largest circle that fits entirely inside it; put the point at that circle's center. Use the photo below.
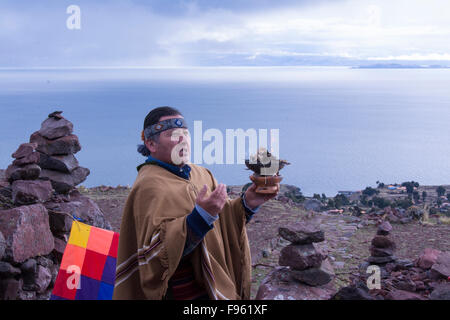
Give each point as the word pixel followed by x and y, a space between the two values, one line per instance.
pixel 216 200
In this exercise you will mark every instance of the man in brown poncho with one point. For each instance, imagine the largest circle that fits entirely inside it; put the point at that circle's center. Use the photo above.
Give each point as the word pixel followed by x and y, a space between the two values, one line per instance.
pixel 181 237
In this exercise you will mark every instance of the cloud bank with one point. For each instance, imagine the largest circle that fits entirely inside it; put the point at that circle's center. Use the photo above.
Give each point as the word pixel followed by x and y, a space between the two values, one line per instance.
pixel 223 33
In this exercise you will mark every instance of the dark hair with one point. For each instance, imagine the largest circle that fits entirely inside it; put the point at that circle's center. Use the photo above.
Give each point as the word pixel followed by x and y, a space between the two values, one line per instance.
pixel 152 118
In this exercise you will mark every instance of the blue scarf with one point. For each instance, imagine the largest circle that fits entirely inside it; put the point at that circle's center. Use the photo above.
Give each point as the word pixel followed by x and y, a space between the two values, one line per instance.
pixel 182 172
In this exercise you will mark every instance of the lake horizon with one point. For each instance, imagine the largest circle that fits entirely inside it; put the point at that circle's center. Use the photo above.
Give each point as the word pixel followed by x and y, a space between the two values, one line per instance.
pixel 341 128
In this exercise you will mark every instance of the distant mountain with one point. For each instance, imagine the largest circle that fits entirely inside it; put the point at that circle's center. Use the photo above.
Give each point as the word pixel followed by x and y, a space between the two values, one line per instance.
pixel 399 66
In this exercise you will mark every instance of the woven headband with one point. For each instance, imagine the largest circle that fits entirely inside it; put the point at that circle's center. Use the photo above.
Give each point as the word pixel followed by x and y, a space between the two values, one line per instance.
pixel 163 126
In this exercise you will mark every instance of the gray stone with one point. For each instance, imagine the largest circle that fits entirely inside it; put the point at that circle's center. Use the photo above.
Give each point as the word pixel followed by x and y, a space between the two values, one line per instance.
pixel 29 266
pixel 27 172
pixel 9 289
pixel 406 285
pixel 301 256
pixel 384 228
pixel 64 163
pixel 45 262
pixel 60 246
pixel 65 145
pixel 7 270
pixel 53 128
pixel 279 285
pixel 428 258
pixel 43 279
pixel 29 269
pixel 315 276
pixel 26 231
pixel 29 159
pixel 81 206
pixel 381 252
pixel 353 292
pixel 65 182
pixel 31 191
pixel 441 268
pixel 24 150
pixel 54 271
pixel 26 295
pixel 441 292
pixel 383 242
pixel 59 221
pixel 300 234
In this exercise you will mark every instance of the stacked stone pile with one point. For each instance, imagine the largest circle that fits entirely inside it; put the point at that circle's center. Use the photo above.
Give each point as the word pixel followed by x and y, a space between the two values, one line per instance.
pixel 38 200
pixel 383 247
pixel 56 146
pixel 305 271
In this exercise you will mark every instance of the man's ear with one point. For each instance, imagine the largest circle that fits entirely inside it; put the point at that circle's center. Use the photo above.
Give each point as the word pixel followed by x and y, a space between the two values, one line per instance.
pixel 151 145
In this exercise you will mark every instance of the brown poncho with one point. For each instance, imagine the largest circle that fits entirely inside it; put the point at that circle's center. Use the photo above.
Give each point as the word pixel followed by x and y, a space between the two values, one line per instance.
pixel 153 235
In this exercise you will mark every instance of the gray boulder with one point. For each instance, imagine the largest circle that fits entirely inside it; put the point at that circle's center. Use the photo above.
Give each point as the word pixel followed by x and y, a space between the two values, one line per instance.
pixel 381 260
pixel 384 228
pixel 357 291
pixel 381 252
pixel 65 182
pixel 300 234
pixel 301 256
pixel 27 172
pixel 42 279
pixel 26 231
pixel 7 270
pixel 29 159
pixel 441 268
pixel 65 163
pixel 81 206
pixel 279 285
pixel 315 276
pixel 383 242
pixel 61 146
pixel 441 292
pixel 28 192
pixel 24 150
pixel 53 128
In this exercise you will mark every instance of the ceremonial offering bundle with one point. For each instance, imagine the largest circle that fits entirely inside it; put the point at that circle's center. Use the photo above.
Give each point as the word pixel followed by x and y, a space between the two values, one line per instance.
pixel 266 168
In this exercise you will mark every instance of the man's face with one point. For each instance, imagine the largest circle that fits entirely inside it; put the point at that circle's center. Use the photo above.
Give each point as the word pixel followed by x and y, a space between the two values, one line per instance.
pixel 173 146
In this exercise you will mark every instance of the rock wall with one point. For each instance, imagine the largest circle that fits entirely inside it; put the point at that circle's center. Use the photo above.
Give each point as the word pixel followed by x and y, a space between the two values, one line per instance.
pixel 38 200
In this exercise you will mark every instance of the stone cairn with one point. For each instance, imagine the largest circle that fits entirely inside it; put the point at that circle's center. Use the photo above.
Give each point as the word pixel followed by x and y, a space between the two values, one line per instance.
pixel 38 200
pixel 305 272
pixel 383 247
pixel 400 279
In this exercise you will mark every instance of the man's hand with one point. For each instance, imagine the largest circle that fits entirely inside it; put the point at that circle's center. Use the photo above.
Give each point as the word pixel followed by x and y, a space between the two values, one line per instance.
pixel 254 200
pixel 215 202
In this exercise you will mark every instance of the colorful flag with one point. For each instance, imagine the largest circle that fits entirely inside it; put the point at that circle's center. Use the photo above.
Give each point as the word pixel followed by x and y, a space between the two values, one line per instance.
pixel 88 265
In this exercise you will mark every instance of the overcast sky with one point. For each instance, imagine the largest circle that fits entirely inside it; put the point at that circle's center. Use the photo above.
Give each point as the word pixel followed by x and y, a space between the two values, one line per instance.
pixel 33 33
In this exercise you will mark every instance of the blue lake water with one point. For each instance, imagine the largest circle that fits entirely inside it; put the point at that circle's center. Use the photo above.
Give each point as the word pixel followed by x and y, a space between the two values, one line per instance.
pixel 341 128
